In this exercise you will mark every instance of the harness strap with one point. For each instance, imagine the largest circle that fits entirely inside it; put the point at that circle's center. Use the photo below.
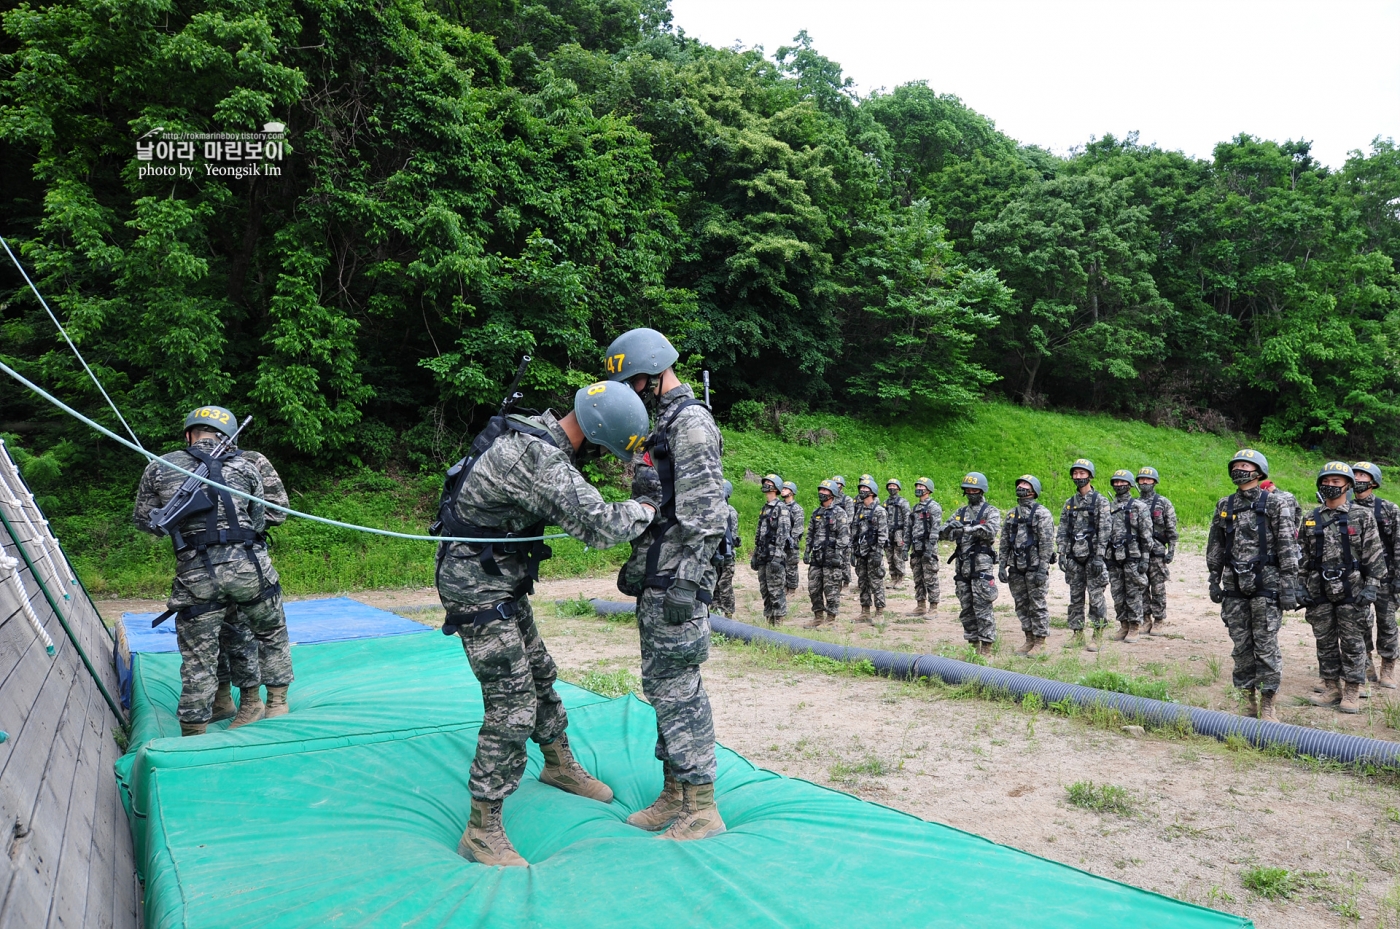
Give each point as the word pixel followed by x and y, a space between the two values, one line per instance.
pixel 456 621
pixel 189 612
pixel 659 444
pixel 1078 505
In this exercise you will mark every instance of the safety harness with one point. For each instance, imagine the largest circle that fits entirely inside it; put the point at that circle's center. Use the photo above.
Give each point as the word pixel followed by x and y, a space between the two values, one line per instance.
pixel 922 532
pixel 897 520
pixel 766 540
pixel 1077 505
pixel 1265 555
pixel 1130 540
pixel 1159 519
pixel 980 547
pixel 1032 544
pixel 1333 571
pixel 659 445
pixel 822 520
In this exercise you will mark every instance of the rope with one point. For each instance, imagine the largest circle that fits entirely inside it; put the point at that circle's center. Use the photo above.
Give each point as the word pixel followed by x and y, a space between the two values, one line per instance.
pixel 249 497
pixel 18 503
pixel 12 565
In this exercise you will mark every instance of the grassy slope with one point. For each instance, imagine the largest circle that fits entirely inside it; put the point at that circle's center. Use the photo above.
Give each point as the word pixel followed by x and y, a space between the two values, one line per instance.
pixel 1001 440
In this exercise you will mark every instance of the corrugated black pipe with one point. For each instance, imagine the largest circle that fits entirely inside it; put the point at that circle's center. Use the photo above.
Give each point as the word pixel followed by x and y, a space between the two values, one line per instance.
pixel 1318 743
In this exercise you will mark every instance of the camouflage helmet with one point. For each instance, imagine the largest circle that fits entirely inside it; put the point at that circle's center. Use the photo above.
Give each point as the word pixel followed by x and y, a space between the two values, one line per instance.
pixel 1032 480
pixel 895 482
pixel 1122 474
pixel 773 479
pixel 839 481
pixel 1250 456
pixel 1150 474
pixel 1084 463
pixel 613 417
pixel 925 483
pixel 1367 467
pixel 212 417
pixel 638 351
pixel 974 480
pixel 728 489
pixel 829 486
pixel 789 485
pixel 1337 468
pixel 867 482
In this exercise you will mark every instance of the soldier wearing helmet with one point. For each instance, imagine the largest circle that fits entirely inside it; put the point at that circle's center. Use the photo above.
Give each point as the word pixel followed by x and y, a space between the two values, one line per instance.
pixel 672 612
pixel 1027 552
pixel 974 529
pixel 771 541
pixel 869 533
pixel 725 556
pixel 1083 536
pixel 1252 560
pixel 897 510
pixel 1164 537
pixel 847 503
pixel 1127 554
pixel 799 529
pixel 226 597
pixel 1387 514
pixel 827 555
pixel 925 520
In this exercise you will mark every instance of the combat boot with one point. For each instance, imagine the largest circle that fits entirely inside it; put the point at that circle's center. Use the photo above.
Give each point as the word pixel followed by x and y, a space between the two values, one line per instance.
pixel 1026 647
pixel 223 704
pixel 1076 639
pixel 1330 696
pixel 920 609
pixel 1320 687
pixel 562 770
pixel 1146 627
pixel 1122 632
pixel 663 810
pixel 1096 642
pixel 880 618
pixel 985 649
pixel 1371 669
pixel 192 728
pixel 277 702
pixel 1266 707
pixel 1350 695
pixel 1132 634
pixel 817 621
pixel 1387 675
pixel 1251 708
pixel 864 616
pixel 1154 627
pixel 485 841
pixel 250 706
pixel 698 817
pixel 1037 646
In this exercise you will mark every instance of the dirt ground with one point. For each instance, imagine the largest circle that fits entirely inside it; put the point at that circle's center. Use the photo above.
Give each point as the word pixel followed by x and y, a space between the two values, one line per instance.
pixel 1194 817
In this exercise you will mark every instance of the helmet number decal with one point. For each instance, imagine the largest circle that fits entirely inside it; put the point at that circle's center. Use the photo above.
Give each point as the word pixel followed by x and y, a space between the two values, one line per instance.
pixel 614 363
pixel 598 388
pixel 633 442
pixel 220 415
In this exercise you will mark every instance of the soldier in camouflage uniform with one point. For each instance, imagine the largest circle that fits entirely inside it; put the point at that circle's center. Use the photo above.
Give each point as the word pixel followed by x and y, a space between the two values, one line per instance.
pixel 897 511
pixel 1343 572
pixel 1387 515
pixel 725 555
pixel 1127 554
pixel 1252 560
pixel 672 615
pixel 1027 552
pixel 1164 539
pixel 519 476
pixel 1290 503
pixel 869 532
pixel 1083 536
pixel 799 529
pixel 974 529
pixel 221 562
pixel 770 551
pixel 827 555
pixel 849 505
pixel 925 519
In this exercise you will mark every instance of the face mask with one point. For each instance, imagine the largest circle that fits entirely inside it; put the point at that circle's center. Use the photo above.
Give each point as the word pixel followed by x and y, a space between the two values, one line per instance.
pixel 1121 489
pixel 1241 477
pixel 824 499
pixel 974 496
pixel 1024 493
pixel 1082 482
pixel 1363 486
pixel 921 494
pixel 1145 489
pixel 1331 491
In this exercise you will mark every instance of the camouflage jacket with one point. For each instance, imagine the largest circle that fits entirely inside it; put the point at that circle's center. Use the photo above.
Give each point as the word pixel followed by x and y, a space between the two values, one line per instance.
pixel 631 579
pixel 774 534
pixel 1342 552
pixel 925 519
pixel 799 525
pixel 1242 559
pixel 869 530
pixel 520 481
pixel 1163 515
pixel 249 472
pixel 1028 537
pixel 1084 527
pixel 829 537
pixel 847 503
pixel 731 529
pixel 1387 516
pixel 897 508
pixel 688 546
pixel 1130 530
pixel 975 531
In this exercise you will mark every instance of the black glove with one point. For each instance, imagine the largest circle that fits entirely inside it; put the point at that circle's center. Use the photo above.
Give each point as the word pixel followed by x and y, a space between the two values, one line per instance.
pixel 806 557
pixel 753 561
pixel 1054 557
pixel 1142 567
pixel 1395 582
pixel 1043 573
pixel 679 604
pixel 1288 599
pixel 1300 593
pixel 1216 594
pixel 1001 574
pixel 1171 553
pixel 1368 594
pixel 648 501
pixel 1097 566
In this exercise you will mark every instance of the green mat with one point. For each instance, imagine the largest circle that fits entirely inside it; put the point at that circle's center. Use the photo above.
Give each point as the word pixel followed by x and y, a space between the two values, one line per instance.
pixel 347 813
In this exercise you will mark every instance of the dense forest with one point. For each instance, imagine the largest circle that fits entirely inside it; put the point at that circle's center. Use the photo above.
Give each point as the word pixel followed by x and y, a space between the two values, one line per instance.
pixel 469 181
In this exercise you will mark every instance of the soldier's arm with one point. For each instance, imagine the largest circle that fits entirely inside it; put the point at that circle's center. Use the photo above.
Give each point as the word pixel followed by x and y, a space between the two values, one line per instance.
pixel 1005 546
pixel 695 449
pixel 274 491
pixel 1373 566
pixel 993 524
pixel 784 539
pixel 1285 538
pixel 1105 533
pixel 1144 529
pixel 882 527
pixel 1215 544
pixel 561 494
pixel 147 499
pixel 1045 533
pixel 843 534
pixel 1169 524
pixel 1062 534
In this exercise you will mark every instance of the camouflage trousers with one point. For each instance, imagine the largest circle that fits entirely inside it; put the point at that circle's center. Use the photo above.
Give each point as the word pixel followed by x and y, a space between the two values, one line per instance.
pixel 1253 623
pixel 1340 631
pixel 896 556
pixel 870 574
pixel 924 569
pixel 724 588
pixel 238 653
pixel 792 581
pixel 1128 585
pixel 1158 573
pixel 975 596
pixel 1086 583
pixel 1387 637
pixel 236 582
pixel 671 659
pixel 517 677
pixel 772 584
pixel 1028 590
pixel 824 586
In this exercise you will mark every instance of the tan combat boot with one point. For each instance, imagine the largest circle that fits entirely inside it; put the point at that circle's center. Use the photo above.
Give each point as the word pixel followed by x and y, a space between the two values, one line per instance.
pixel 1075 640
pixel 1350 695
pixel 1251 708
pixel 1037 646
pixel 1026 646
pixel 277 702
pixel 485 841
pixel 562 770
pixel 1371 669
pixel 192 728
pixel 250 706
pixel 1096 642
pixel 880 618
pixel 1146 627
pixel 1131 635
pixel 1154 627
pixel 920 609
pixel 1320 687
pixel 699 816
pixel 985 649
pixel 864 616
pixel 1387 675
pixel 1122 632
pixel 223 704
pixel 816 621
pixel 663 810
pixel 1266 707
pixel 1331 695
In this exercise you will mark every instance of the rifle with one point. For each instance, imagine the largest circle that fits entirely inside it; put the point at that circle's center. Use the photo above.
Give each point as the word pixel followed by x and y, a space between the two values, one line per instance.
pixel 705 376
pixel 514 396
pixel 188 501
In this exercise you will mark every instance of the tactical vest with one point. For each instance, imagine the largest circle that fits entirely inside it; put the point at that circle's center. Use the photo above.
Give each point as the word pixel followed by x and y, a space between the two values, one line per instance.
pixel 1250 573
pixel 967 559
pixel 896 515
pixel 1158 508
pixel 1385 528
pixel 1074 509
pixel 727 545
pixel 1127 543
pixel 1336 575
pixel 767 544
pixel 659 445
pixel 869 535
pixel 823 528
pixel 1031 547
pixel 923 534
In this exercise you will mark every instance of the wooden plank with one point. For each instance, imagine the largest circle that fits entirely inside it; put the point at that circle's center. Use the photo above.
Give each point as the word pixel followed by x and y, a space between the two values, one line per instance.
pixel 104 882
pixel 71 867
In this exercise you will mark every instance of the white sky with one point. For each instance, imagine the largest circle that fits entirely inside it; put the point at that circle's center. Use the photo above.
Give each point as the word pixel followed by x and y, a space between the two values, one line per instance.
pixel 1185 73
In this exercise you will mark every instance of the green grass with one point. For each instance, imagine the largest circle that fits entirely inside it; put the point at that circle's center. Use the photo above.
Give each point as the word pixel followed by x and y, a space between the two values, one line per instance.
pixel 1124 684
pixel 1102 798
pixel 578 606
pixel 849 772
pixel 1270 883
pixel 610 683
